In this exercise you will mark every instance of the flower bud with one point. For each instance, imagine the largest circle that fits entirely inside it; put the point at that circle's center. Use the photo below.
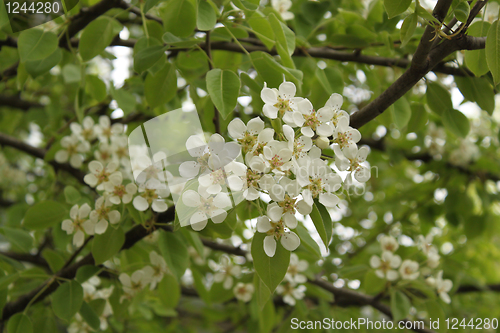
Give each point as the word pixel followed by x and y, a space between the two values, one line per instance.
pixel 322 142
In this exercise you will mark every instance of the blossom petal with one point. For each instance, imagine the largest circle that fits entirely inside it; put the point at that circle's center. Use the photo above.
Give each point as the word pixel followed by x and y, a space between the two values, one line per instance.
pixel 140 203
pixel 263 224
pixel 189 169
pixel 270 246
pixel 290 240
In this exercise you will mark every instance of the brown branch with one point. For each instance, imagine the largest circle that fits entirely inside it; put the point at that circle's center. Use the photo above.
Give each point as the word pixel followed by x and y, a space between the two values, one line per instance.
pixel 26 257
pixel 470 288
pixel 7 140
pixel 137 12
pixel 18 103
pixel 134 235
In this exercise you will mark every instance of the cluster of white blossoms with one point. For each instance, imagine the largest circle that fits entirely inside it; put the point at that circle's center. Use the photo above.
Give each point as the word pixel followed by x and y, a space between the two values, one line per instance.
pixel 390 267
pixel 286 164
pixel 149 275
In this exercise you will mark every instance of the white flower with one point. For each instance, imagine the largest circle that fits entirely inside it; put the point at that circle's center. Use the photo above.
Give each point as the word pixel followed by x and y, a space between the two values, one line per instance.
pixel 106 153
pixel 299 146
pixel 154 273
pixel 73 150
pixel 264 137
pixel 280 102
pixel 246 135
pixel 295 267
pixel 231 175
pixel 409 270
pixel 120 193
pixel 286 203
pixel 344 135
pixel 84 131
pixel 334 105
pixel 425 244
pixel 79 223
pixel 99 175
pixel 291 292
pixel 276 230
pixel 225 271
pixel 282 7
pixel 277 156
pixel 154 194
pixel 318 181
pixel 312 122
pixel 385 265
pixel 212 156
pixel 132 284
pixel 102 214
pixel 350 160
pixel 442 286
pixel 433 259
pixel 243 291
pixel 208 206
pixel 389 243
pixel 105 130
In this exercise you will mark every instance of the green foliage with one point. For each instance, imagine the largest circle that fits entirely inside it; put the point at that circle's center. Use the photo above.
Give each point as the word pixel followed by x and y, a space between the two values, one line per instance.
pixel 396 7
pixel 44 214
pixel 161 87
pixel 224 88
pixel 67 300
pixel 108 244
pixel 493 51
pixel 97 36
pixel 36 44
pixel 400 305
pixel 174 252
pixel 20 323
pixel 176 12
pixel 271 270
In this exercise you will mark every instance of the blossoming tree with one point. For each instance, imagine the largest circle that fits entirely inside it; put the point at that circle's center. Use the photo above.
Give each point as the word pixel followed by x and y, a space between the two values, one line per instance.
pixel 237 165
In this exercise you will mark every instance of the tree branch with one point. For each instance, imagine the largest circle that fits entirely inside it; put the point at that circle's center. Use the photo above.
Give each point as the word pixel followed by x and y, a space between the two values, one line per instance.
pixel 6 140
pixel 18 103
pixel 134 235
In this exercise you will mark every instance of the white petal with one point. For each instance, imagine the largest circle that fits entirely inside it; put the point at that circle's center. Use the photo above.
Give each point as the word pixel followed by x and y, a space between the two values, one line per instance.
pixel 266 135
pixel 189 169
pixel 269 96
pixel 263 224
pixel 195 145
pixel 198 221
pixel 325 114
pixel 362 174
pixel 270 111
pixel 216 143
pixel 324 130
pixel 76 161
pixel 255 126
pixel 222 200
pixel 191 198
pixel 287 90
pixel 290 240
pixel 67 225
pixel 61 156
pixel 159 206
pixel 78 238
pixel 290 220
pixel 101 227
pixel 303 208
pixel 140 203
pixel 95 167
pixel 307 131
pixel 270 246
pixel 328 199
pixel 335 101
pixel 236 128
pixel 375 261
pixel 218 215
pixel 275 213
pixel 114 216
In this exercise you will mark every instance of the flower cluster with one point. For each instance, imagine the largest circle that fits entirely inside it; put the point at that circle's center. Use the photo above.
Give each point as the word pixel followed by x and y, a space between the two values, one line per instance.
pixel 390 267
pixel 284 163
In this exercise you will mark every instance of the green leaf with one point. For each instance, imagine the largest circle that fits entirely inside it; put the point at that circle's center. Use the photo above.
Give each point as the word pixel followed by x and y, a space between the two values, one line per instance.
pixel 97 36
pixel 438 98
pixel 456 122
pixel 8 279
pixel 247 4
pixel 319 224
pixel 36 44
pixel 272 72
pixel 223 87
pixel 262 29
pixel 36 68
pixel 271 270
pixel 19 323
pixel 54 259
pixel 400 305
pixel 462 11
pixel 174 250
pixel 67 300
pixel 72 73
pixel 477 90
pixel 423 13
pixel 418 118
pixel 401 112
pixel 179 18
pixel 436 312
pixel 89 315
pixel 108 244
pixel 262 293
pixel 493 51
pixel 147 57
pixel 72 195
pixel 44 214
pixel 161 87
pixel 95 87
pixel 476 59
pixel 408 28
pixel 396 7
pixel 207 18
pixel 331 80
pixel 86 272
pixel 307 241
pixel 125 99
pixel 19 239
pixel 285 40
pixel 169 291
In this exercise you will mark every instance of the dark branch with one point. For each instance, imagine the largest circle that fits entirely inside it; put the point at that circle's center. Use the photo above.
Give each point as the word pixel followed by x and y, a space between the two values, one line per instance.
pixel 18 103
